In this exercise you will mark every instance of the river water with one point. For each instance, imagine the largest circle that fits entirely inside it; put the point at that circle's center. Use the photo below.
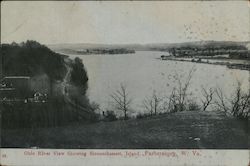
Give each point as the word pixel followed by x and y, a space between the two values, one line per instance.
pixel 143 73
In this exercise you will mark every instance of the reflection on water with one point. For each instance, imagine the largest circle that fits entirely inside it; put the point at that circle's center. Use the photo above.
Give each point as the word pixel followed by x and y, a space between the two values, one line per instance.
pixel 143 73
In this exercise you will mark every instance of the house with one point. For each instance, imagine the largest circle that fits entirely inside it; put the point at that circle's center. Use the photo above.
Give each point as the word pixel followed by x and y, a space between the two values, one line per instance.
pixel 15 87
pixel 23 87
pixel 40 97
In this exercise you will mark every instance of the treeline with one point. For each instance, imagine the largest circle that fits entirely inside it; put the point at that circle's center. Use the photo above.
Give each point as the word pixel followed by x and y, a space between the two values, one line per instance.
pixel 31 58
pixel 203 45
pixel 106 51
pixel 235 50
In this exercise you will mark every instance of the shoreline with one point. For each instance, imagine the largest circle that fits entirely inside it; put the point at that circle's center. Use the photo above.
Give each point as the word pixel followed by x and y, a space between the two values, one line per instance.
pixel 239 66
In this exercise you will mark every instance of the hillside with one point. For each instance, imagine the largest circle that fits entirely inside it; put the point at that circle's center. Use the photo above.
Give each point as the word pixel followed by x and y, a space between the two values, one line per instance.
pixel 192 129
pixel 65 79
pixel 30 59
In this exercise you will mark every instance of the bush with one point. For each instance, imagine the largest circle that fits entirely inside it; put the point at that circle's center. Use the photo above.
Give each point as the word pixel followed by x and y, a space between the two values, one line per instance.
pixel 141 116
pixel 94 106
pixel 110 116
pixel 193 106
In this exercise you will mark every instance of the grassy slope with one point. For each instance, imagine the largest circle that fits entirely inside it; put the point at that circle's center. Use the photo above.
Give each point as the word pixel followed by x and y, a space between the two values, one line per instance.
pixel 214 129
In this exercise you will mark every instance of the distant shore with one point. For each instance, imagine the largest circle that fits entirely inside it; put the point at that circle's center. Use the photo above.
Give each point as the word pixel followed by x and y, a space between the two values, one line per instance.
pixel 219 61
pixel 97 51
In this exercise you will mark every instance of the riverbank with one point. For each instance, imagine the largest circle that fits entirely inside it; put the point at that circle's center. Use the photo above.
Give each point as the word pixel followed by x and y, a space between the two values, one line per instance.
pixel 224 62
pixel 192 129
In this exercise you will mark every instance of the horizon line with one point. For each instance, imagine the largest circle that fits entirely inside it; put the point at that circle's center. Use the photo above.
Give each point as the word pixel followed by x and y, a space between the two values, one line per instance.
pixel 242 41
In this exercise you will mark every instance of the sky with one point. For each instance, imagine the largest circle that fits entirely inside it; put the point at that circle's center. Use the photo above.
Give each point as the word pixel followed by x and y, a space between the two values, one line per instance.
pixel 53 22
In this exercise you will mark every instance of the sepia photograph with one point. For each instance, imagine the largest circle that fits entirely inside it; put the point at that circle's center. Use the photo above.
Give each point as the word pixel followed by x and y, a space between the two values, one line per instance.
pixel 152 75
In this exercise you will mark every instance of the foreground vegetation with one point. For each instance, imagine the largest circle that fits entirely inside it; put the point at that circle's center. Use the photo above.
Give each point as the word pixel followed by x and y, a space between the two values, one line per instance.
pixel 187 129
pixel 180 99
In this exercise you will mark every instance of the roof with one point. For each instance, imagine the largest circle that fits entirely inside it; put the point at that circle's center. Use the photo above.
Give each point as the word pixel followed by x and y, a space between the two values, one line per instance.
pixel 15 77
pixel 23 77
pixel 5 89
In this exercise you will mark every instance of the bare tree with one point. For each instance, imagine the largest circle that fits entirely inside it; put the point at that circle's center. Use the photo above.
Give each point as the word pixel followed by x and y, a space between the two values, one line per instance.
pixel 148 105
pixel 236 100
pixel 222 102
pixel 122 100
pixel 179 94
pixel 152 103
pixel 238 105
pixel 156 101
pixel 172 102
pixel 208 97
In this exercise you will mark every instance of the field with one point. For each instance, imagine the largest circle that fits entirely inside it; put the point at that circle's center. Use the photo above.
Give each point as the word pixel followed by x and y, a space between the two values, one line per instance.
pixel 193 129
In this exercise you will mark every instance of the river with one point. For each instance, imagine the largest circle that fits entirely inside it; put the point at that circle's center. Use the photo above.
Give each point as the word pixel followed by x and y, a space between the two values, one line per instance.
pixel 143 72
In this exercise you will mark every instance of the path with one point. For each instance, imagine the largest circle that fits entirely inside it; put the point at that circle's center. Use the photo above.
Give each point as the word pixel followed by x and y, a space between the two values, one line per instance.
pixel 85 113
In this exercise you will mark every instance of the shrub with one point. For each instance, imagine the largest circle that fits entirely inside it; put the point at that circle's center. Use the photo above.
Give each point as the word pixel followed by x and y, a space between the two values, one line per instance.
pixel 110 116
pixel 193 106
pixel 141 116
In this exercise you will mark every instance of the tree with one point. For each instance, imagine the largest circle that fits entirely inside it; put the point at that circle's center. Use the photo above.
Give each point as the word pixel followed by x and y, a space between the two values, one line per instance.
pixel 122 100
pixel 208 97
pixel 156 101
pixel 148 105
pixel 79 76
pixel 238 105
pixel 151 104
pixel 221 102
pixel 172 102
pixel 179 94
